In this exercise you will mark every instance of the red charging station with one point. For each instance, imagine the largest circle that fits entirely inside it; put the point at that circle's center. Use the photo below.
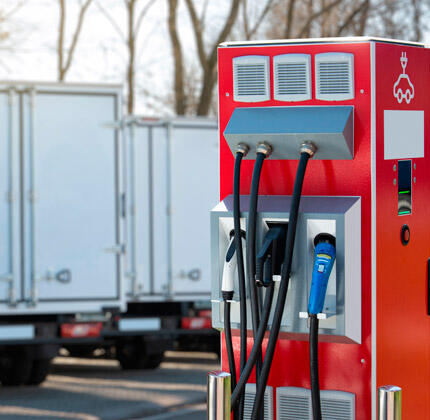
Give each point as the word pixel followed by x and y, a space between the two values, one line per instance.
pixel 388 85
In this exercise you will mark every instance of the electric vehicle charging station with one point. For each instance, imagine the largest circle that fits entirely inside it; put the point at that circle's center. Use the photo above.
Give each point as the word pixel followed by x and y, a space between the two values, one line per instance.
pixel 351 111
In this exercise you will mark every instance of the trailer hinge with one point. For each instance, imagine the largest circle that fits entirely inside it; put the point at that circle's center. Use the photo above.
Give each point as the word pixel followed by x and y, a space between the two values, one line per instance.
pixel 8 278
pixel 115 249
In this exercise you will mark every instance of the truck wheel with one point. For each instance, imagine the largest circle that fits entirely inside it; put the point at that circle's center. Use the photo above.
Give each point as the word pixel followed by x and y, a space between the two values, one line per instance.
pixel 39 371
pixel 131 356
pixel 154 360
pixel 15 369
pixel 134 356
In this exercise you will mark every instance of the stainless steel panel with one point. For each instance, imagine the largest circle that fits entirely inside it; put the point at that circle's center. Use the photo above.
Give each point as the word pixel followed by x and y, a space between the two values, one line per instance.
pixel 339 215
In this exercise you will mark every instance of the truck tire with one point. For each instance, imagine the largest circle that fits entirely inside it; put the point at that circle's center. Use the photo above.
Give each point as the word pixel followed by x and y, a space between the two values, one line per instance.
pixel 39 371
pixel 15 369
pixel 134 356
pixel 154 360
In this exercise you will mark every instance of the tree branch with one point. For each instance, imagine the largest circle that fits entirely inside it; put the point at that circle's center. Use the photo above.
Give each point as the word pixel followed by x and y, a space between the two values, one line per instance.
pixel 348 21
pixel 142 15
pixel 60 44
pixel 111 20
pixel 317 15
pixel 260 19
pixel 197 32
pixel 180 100
pixel 78 30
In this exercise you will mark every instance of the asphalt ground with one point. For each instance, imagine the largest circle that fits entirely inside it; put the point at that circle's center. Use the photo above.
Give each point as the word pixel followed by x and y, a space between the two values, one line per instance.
pixel 97 389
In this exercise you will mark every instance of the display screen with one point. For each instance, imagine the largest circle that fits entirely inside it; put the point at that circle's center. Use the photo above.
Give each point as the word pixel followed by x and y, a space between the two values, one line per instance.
pixel 404 184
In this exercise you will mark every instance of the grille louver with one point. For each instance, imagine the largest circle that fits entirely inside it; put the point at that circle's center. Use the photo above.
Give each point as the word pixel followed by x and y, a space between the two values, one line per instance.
pixel 292 77
pixel 249 402
pixel 296 403
pixel 251 79
pixel 293 403
pixel 334 76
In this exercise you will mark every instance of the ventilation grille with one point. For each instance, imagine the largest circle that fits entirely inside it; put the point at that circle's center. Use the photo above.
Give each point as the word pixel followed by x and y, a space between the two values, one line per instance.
pixel 292 77
pixel 293 403
pixel 335 76
pixel 337 405
pixel 296 403
pixel 251 79
pixel 249 402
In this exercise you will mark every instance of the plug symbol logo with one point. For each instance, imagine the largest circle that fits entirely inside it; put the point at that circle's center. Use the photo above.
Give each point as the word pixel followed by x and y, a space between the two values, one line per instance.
pixel 403 88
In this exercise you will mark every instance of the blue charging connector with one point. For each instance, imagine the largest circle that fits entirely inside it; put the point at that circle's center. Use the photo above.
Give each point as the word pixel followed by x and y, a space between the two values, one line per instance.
pixel 325 254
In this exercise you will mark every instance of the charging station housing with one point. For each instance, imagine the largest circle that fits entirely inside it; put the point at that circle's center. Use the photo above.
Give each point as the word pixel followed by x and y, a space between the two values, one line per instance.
pixel 378 157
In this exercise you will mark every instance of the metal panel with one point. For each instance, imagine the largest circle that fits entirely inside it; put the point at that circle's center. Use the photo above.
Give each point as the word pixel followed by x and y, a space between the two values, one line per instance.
pixel 194 192
pixel 71 189
pixel 337 215
pixel 175 164
pixel 330 128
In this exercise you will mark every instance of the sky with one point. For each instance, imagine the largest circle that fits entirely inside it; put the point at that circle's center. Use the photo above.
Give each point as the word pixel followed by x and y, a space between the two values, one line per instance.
pixel 101 55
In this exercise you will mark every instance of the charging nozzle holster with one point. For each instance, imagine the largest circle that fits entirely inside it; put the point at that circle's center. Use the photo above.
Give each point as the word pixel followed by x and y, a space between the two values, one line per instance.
pixel 271 255
pixel 324 257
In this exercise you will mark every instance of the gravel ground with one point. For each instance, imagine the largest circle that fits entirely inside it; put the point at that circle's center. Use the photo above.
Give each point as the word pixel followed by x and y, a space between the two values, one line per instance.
pixel 95 389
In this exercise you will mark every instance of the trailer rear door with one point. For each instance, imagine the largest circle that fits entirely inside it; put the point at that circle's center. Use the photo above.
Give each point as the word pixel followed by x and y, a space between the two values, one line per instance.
pixel 72 245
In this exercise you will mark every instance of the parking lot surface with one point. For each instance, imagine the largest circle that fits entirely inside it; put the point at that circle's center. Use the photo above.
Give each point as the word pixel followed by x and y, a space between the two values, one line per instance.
pixel 97 389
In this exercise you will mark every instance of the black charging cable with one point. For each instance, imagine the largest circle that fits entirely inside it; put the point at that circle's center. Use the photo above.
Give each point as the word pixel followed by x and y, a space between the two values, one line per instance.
pixel 263 150
pixel 268 264
pixel 307 150
pixel 313 355
pixel 241 151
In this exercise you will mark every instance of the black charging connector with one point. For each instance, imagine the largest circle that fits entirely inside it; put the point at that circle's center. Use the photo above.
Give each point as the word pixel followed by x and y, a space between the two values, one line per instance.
pixel 271 254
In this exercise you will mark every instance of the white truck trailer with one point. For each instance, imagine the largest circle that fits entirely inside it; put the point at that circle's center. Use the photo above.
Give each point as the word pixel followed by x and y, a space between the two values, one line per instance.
pixel 97 247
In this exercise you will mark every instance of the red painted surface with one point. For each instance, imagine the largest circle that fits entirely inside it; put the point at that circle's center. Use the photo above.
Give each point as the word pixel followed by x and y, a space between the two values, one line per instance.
pixel 403 326
pixel 341 366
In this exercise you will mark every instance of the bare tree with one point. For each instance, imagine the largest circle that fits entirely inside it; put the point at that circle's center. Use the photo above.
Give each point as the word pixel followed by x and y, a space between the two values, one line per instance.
pixel 179 80
pixel 134 23
pixel 65 58
pixel 207 54
pixel 251 29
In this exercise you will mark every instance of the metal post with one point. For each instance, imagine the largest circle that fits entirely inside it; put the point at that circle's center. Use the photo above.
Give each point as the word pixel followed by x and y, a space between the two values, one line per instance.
pixel 389 402
pixel 219 396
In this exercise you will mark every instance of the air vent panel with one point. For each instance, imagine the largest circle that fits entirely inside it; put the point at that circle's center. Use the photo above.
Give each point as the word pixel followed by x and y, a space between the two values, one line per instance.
pixel 292 77
pixel 296 403
pixel 251 78
pixel 334 76
pixel 293 403
pixel 249 402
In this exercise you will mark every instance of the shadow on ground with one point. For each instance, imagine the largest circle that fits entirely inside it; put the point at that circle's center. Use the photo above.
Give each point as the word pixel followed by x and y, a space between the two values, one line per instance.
pixel 87 389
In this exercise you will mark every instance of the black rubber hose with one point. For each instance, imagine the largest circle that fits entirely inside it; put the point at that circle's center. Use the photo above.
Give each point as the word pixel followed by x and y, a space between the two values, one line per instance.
pixel 241 272
pixel 251 255
pixel 267 306
pixel 283 288
pixel 229 347
pixel 313 356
